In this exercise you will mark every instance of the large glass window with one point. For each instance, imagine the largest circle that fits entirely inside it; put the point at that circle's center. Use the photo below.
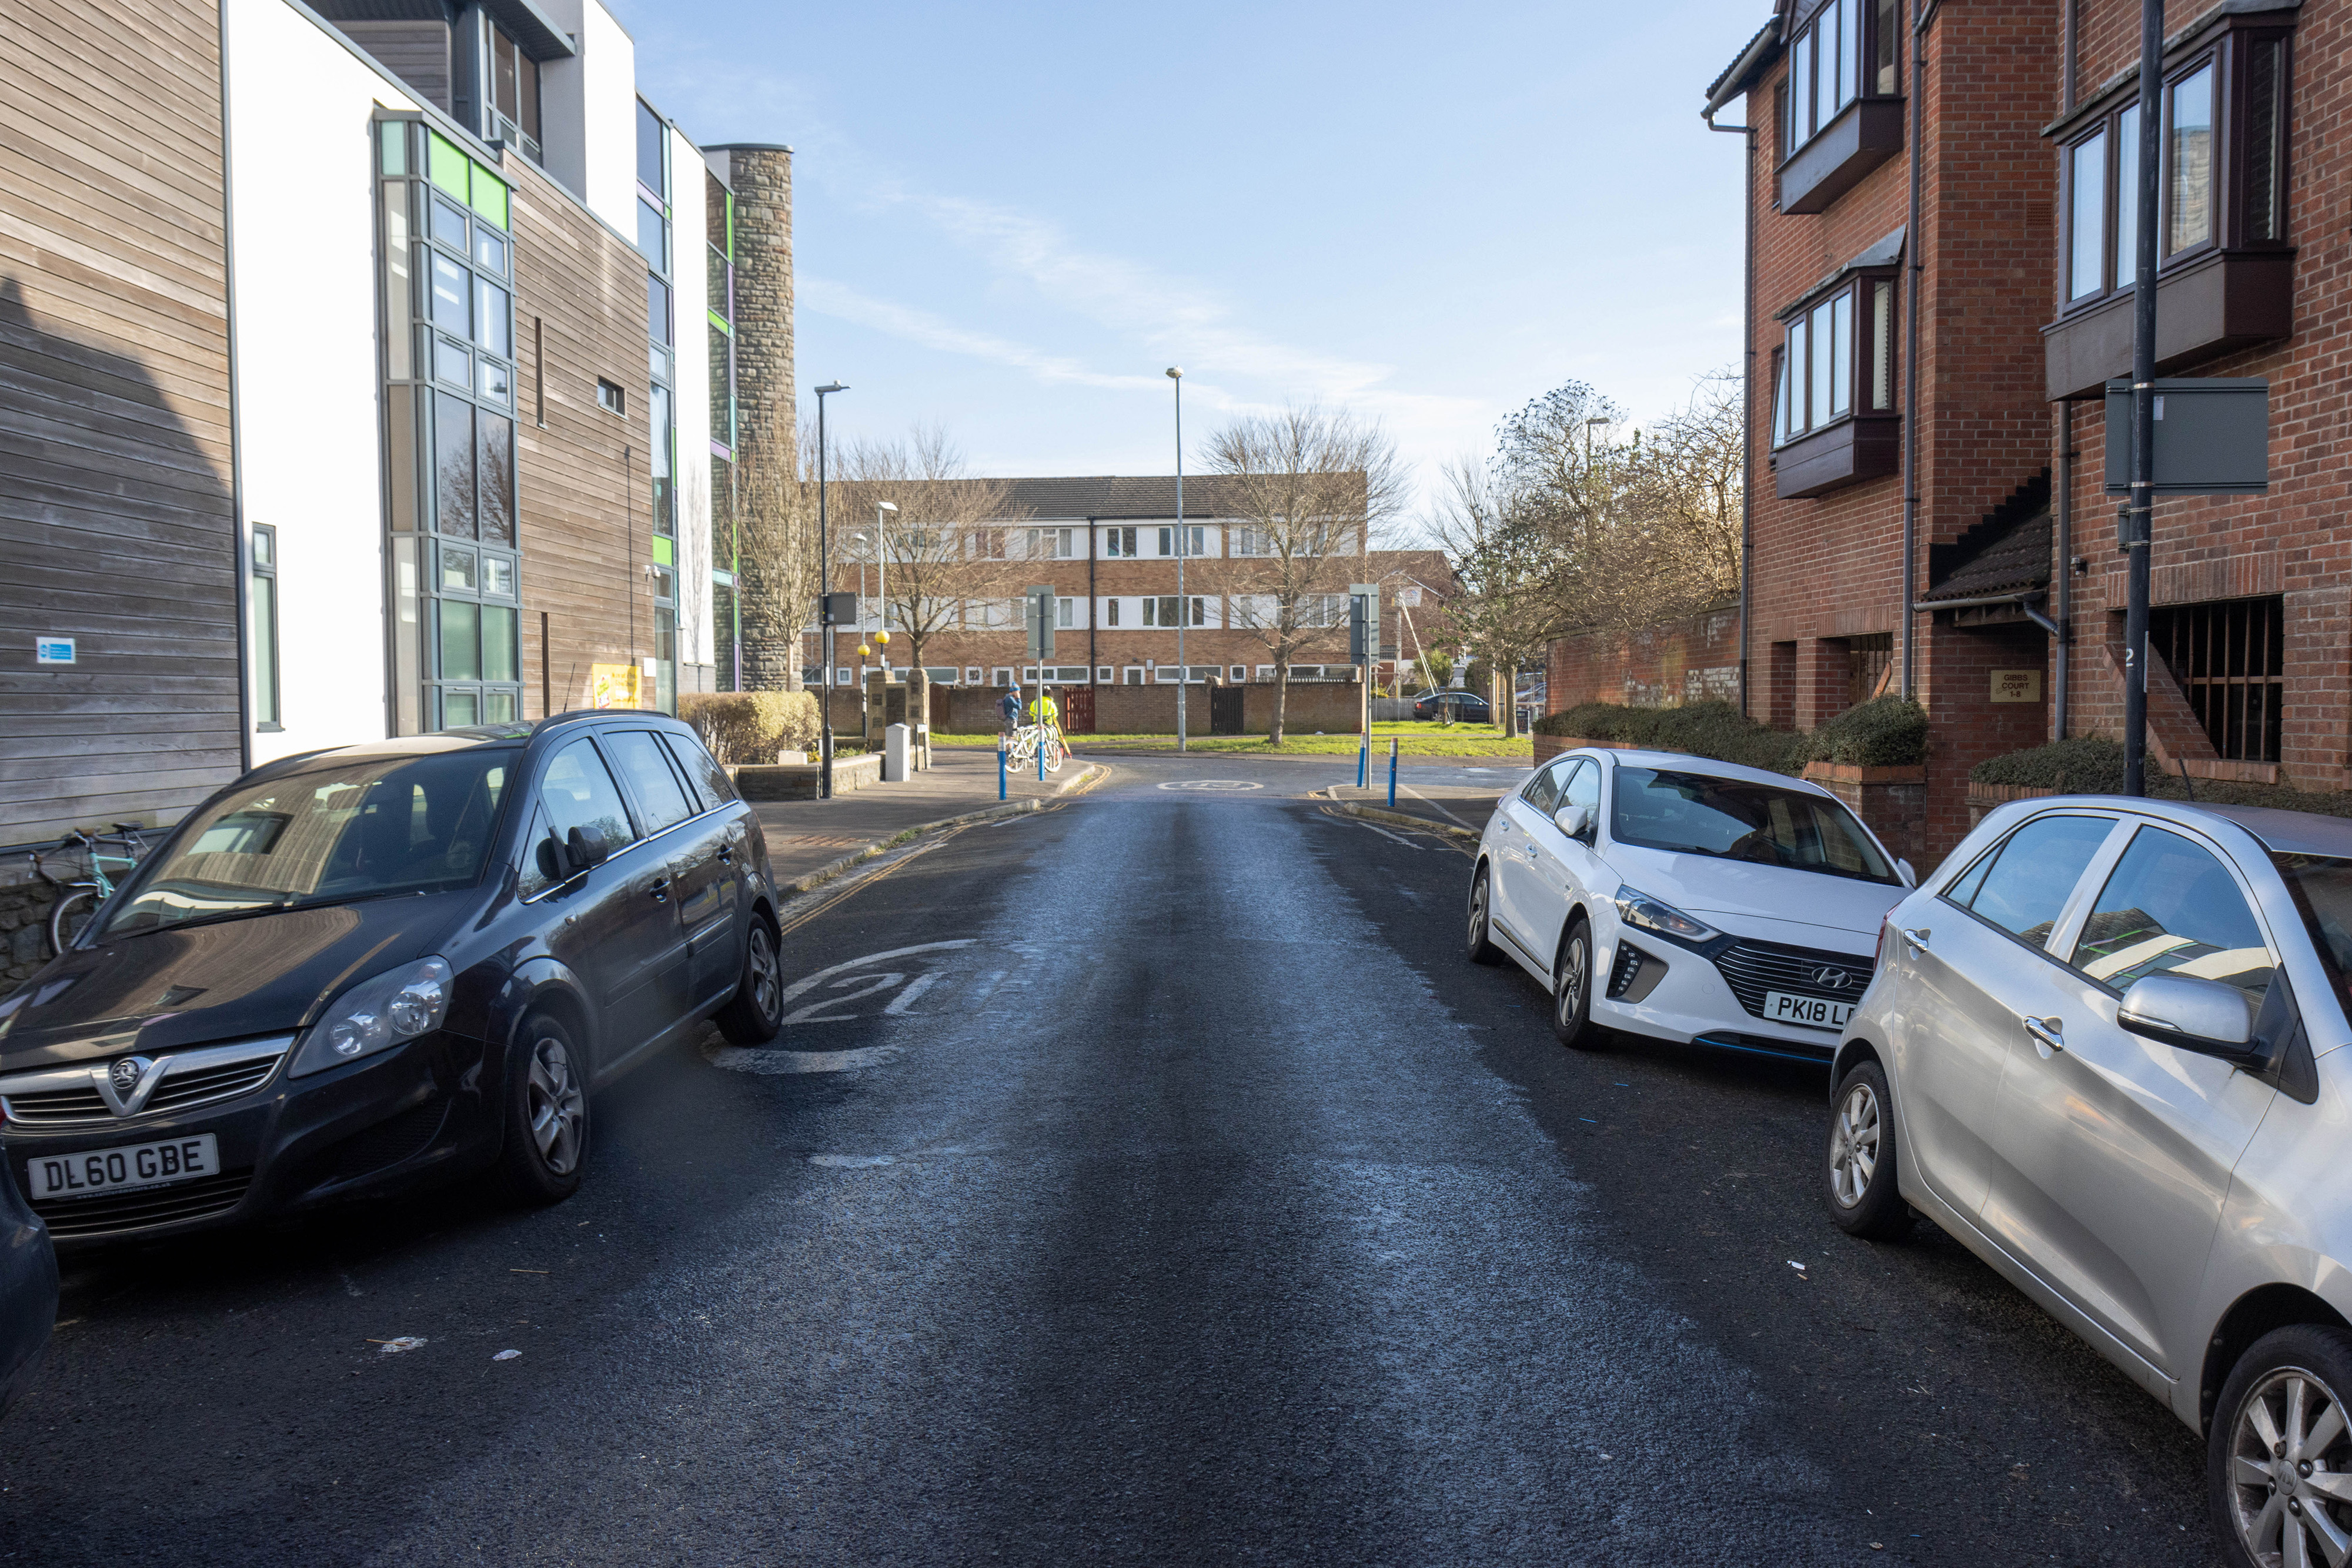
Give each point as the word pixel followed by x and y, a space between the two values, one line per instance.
pixel 2220 175
pixel 2022 886
pixel 261 603
pixel 514 94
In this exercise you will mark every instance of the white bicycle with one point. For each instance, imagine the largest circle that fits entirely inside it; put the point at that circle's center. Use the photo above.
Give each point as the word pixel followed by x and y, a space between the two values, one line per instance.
pixel 1021 748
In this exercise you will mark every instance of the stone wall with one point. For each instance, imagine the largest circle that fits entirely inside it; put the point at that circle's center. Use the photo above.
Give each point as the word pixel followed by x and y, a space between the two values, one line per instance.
pixel 25 903
pixel 767 409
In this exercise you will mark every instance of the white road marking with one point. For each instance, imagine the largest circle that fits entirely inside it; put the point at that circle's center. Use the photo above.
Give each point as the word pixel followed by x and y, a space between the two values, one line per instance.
pixel 1211 785
pixel 815 1012
pixel 1386 835
pixel 853 1162
pixel 775 1063
pixel 915 988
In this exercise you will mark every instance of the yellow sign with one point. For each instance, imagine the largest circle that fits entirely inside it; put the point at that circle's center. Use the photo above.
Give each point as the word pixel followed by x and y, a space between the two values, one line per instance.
pixel 2016 685
pixel 613 686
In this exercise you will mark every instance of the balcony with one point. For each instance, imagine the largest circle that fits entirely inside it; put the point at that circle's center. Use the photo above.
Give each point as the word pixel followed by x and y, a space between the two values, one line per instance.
pixel 1861 446
pixel 1866 134
pixel 2204 307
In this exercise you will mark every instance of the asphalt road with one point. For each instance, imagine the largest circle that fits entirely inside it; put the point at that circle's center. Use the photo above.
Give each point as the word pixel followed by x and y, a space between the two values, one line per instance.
pixel 1146 1180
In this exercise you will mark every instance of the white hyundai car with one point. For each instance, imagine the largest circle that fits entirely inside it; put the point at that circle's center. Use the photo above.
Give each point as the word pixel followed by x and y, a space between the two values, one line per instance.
pixel 1684 899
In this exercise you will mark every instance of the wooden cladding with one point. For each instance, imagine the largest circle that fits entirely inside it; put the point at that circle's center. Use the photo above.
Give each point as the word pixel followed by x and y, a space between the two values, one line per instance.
pixel 2231 662
pixel 117 528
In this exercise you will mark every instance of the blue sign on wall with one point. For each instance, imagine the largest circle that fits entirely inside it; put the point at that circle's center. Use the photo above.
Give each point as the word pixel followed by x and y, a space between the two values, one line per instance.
pixel 53 650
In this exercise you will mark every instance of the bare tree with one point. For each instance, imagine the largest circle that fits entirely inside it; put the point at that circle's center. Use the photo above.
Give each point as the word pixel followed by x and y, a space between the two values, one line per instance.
pixel 941 555
pixel 1306 490
pixel 1684 490
pixel 1501 553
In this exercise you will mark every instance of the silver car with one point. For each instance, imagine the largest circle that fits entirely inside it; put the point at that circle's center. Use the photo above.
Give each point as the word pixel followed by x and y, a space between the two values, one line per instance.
pixel 2103 1048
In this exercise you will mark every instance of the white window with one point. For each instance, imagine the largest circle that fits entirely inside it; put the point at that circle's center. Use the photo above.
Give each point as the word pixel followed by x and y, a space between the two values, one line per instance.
pixel 1110 611
pixel 971 675
pixel 1052 544
pixel 1119 542
pixel 1134 675
pixel 1103 675
pixel 841 677
pixel 1247 541
pixel 1266 671
pixel 1239 673
pixel 1065 610
pixel 1003 677
pixel 1195 540
pixel 1166 609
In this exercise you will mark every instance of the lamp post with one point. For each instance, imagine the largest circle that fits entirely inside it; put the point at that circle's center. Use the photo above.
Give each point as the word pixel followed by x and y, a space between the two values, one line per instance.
pixel 882 583
pixel 1183 605
pixel 825 587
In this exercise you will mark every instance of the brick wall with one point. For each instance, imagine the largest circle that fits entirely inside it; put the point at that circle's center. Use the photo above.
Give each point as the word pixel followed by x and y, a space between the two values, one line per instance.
pixel 1684 662
pixel 1330 707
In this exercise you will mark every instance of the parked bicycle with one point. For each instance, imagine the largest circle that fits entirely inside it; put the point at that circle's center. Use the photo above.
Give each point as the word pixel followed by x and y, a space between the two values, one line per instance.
pixel 79 899
pixel 1022 746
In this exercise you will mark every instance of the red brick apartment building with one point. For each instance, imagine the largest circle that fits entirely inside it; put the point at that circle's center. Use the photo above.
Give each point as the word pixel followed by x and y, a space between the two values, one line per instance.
pixel 1936 195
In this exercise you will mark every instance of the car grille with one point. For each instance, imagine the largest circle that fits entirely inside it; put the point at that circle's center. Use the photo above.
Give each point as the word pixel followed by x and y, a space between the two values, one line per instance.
pixel 1752 968
pixel 64 1096
pixel 140 1210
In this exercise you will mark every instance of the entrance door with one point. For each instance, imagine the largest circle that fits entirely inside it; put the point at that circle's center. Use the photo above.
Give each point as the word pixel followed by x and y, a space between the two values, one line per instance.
pixel 1078 710
pixel 1226 710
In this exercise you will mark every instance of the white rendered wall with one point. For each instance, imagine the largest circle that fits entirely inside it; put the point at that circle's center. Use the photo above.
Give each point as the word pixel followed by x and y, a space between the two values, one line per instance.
pixel 309 386
pixel 691 278
pixel 608 93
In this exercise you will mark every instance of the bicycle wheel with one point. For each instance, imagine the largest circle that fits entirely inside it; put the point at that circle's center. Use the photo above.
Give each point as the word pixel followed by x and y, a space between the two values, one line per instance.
pixel 1055 754
pixel 77 904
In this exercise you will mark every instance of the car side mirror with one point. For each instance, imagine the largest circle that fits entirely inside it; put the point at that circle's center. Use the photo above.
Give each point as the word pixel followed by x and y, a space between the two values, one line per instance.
pixel 1576 821
pixel 1903 868
pixel 2208 1017
pixel 550 856
pixel 584 848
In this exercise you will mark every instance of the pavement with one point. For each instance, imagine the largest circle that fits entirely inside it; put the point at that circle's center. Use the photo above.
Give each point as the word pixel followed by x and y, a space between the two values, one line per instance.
pixel 816 838
pixel 1144 1179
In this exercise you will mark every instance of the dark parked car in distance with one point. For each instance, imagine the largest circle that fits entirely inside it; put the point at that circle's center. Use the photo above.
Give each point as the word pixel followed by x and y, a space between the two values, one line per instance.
pixel 1468 707
pixel 358 970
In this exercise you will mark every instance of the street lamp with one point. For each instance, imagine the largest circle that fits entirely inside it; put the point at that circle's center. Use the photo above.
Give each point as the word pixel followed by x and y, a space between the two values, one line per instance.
pixel 882 581
pixel 825 587
pixel 1183 605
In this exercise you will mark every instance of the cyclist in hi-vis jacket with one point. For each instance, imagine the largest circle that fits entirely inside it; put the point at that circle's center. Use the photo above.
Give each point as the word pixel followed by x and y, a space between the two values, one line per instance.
pixel 1052 715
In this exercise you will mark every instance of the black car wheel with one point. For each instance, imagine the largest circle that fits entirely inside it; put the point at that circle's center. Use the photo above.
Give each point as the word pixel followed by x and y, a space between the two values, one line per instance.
pixel 1863 1194
pixel 1480 944
pixel 2279 1448
pixel 1572 988
pixel 757 1011
pixel 547 1114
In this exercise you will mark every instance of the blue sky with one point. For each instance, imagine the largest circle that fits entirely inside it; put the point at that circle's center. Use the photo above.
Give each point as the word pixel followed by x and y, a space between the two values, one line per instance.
pixel 1009 219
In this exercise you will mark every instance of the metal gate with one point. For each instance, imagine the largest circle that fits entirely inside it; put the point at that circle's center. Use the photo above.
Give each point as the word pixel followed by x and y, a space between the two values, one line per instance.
pixel 1077 710
pixel 1226 710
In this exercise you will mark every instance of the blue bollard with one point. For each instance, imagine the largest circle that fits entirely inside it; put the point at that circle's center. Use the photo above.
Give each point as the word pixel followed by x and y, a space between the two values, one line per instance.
pixel 1392 773
pixel 1000 772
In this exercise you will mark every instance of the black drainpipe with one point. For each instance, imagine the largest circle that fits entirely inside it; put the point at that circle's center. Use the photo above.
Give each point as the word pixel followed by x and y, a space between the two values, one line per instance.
pixel 1921 19
pixel 1094 611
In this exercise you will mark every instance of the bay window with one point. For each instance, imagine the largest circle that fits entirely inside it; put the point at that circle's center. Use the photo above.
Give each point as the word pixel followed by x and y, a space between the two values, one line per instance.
pixel 1840 109
pixel 2221 146
pixel 1833 414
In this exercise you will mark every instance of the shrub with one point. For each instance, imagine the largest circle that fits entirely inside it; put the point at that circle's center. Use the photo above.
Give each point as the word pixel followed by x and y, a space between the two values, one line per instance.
pixel 1889 732
pixel 2093 765
pixel 1884 732
pixel 751 726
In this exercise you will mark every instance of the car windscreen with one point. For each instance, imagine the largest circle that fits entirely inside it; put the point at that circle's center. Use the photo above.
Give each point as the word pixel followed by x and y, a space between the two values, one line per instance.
pixel 2321 889
pixel 1733 818
pixel 348 830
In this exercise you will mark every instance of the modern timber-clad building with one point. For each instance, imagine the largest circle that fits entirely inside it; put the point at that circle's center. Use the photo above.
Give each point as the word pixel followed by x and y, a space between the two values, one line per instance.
pixel 364 370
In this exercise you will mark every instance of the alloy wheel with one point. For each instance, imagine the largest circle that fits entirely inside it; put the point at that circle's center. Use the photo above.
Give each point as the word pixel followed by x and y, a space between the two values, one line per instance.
pixel 1477 911
pixel 557 1106
pixel 1853 1151
pixel 2289 1482
pixel 1575 969
pixel 767 980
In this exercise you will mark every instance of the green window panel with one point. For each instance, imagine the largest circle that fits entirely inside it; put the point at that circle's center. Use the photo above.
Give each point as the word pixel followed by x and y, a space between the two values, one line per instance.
pixel 720 322
pixel 489 195
pixel 394 135
pixel 461 656
pixel 665 551
pixel 500 649
pixel 448 167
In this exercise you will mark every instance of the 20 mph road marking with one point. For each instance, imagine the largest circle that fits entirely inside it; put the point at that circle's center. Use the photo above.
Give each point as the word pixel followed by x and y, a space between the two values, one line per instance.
pixel 1211 784
pixel 772 1060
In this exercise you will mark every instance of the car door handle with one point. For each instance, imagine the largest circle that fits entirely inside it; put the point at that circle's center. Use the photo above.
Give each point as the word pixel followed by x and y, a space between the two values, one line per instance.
pixel 2049 1032
pixel 1918 940
pixel 659 888
pixel 725 854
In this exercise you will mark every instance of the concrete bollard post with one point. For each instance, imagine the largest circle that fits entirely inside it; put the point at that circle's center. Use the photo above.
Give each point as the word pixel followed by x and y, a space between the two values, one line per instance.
pixel 897 743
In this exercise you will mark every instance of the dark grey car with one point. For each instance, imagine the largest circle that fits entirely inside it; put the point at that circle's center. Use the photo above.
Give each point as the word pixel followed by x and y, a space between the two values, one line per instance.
pixel 358 970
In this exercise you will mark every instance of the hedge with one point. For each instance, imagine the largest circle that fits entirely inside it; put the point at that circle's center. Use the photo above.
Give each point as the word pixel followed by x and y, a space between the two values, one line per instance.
pixel 2091 765
pixel 1885 731
pixel 751 726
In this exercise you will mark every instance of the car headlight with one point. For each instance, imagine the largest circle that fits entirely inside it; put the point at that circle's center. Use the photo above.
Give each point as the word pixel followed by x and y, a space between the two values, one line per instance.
pixel 10 1008
pixel 375 1015
pixel 1638 909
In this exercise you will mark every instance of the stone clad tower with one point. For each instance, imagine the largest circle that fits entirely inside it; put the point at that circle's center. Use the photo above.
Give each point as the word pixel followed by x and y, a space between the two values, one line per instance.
pixel 776 604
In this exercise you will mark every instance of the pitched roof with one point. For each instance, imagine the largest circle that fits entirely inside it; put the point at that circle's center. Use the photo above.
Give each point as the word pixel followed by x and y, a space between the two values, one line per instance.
pixel 1741 73
pixel 2016 562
